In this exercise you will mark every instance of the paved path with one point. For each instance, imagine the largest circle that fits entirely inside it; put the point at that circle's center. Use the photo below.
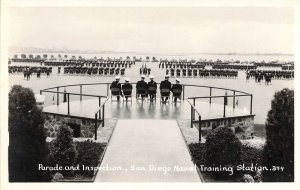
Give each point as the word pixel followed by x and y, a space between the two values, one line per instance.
pixel 147 151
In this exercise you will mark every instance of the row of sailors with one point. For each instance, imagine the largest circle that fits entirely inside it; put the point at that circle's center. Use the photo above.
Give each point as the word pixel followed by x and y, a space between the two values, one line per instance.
pixel 260 75
pixel 145 89
pixel 180 65
pixel 94 70
pixel 287 67
pixel 33 69
pixel 202 73
pixel 269 64
pixel 26 60
pixel 91 63
pixel 218 62
pixel 238 67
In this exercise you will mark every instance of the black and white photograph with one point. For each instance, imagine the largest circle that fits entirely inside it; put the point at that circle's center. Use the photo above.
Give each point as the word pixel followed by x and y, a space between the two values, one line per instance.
pixel 148 94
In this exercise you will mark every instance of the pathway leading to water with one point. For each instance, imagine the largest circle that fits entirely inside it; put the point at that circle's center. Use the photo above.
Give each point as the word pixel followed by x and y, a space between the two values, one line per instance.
pixel 147 151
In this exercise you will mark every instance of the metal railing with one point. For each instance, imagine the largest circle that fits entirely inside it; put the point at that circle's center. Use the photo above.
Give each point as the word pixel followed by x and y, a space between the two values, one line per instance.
pixel 100 113
pixel 99 116
pixel 192 102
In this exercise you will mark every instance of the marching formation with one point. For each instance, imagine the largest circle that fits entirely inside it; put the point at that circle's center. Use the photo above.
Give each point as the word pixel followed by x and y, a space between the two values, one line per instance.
pixel 28 71
pixel 174 68
pixel 91 63
pixel 237 67
pixel 106 71
pixel 203 73
pixel 268 75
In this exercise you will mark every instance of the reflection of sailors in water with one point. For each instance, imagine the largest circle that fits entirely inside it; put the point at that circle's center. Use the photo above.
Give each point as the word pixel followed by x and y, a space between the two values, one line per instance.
pixel 141 109
pixel 151 109
pixel 164 111
pixel 176 112
pixel 127 112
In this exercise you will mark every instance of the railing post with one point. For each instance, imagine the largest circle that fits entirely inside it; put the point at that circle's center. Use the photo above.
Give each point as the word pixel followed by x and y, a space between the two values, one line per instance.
pixel 191 116
pixel 80 92
pixel 41 92
pixel 210 95
pixel 57 96
pixel 251 104
pixel 233 103
pixel 183 92
pixel 68 104
pixel 96 126
pixel 107 89
pixel 194 103
pixel 199 128
pixel 103 115
pixel 99 101
pixel 224 113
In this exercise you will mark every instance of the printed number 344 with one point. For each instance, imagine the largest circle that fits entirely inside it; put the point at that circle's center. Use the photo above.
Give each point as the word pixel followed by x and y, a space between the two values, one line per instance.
pixel 277 168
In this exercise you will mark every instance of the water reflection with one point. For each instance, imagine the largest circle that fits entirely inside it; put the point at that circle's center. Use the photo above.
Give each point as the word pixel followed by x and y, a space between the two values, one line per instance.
pixel 151 109
pixel 127 109
pixel 164 111
pixel 140 109
pixel 116 112
pixel 176 110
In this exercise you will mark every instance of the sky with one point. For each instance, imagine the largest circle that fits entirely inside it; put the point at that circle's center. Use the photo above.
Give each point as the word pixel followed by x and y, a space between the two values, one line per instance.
pixel 164 30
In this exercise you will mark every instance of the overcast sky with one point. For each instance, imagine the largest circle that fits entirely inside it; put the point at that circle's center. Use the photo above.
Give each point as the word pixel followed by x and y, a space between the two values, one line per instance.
pixel 154 30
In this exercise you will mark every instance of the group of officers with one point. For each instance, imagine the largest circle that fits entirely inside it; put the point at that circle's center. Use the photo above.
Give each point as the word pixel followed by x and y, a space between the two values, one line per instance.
pixel 145 89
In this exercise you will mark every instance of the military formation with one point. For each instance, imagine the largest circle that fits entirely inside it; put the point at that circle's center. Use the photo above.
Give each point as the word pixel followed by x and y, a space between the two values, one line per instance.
pixel 202 73
pixel 147 90
pixel 28 71
pixel 236 67
pixel 173 68
pixel 194 69
pixel 104 71
pixel 268 75
pixel 91 63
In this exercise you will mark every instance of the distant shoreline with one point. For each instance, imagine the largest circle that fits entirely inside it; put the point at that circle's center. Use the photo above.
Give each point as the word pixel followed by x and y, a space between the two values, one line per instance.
pixel 41 50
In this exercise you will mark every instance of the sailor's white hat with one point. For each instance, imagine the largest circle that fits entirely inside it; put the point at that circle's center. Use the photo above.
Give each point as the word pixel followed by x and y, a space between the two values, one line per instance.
pixel 151 76
pixel 177 79
pixel 117 77
pixel 167 76
pixel 127 79
pixel 143 76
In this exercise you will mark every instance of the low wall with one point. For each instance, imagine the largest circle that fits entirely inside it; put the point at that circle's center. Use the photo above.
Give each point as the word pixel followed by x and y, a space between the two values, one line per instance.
pixel 242 126
pixel 53 122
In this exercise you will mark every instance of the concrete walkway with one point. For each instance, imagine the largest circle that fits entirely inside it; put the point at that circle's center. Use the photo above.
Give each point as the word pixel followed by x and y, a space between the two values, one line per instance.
pixel 147 151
